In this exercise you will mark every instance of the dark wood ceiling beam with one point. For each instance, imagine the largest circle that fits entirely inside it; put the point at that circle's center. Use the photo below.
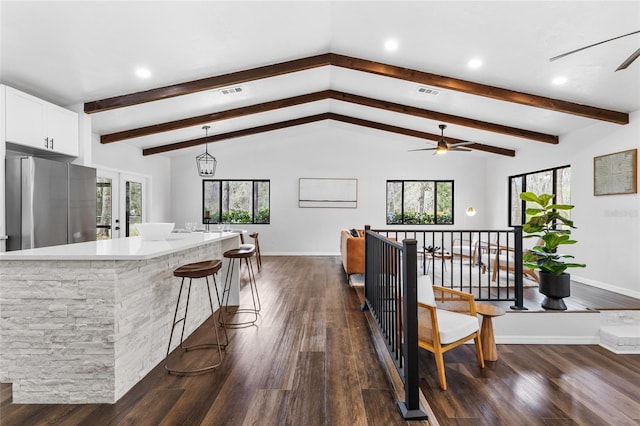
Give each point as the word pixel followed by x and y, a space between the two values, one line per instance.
pixel 319 117
pixel 418 134
pixel 317 96
pixel 209 83
pixel 447 118
pixel 478 89
pixel 362 65
pixel 214 116
pixel 235 134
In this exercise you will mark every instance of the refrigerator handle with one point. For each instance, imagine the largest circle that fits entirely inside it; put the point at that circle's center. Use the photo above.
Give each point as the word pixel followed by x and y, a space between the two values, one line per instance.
pixel 26 220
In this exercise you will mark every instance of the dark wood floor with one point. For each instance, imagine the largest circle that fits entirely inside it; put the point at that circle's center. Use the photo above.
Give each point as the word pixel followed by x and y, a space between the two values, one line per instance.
pixel 310 361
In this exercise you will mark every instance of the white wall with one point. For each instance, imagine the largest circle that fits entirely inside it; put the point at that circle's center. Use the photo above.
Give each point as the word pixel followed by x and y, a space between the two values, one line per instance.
pixel 325 150
pixel 128 159
pixel 608 231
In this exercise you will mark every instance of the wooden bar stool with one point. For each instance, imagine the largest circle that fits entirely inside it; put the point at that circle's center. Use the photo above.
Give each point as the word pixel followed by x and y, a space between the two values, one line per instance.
pixel 257 245
pixel 243 252
pixel 197 270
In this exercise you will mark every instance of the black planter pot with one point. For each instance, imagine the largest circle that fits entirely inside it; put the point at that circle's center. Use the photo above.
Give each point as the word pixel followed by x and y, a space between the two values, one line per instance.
pixel 555 288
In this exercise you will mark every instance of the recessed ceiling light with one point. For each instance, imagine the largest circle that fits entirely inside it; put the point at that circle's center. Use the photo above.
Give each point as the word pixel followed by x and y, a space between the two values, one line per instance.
pixel 143 72
pixel 559 81
pixel 475 63
pixel 391 45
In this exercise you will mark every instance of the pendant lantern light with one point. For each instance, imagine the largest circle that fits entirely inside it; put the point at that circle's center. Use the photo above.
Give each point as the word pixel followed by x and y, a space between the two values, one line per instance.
pixel 206 162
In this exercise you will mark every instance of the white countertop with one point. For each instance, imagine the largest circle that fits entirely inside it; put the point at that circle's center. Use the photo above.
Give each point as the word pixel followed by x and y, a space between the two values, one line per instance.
pixel 131 248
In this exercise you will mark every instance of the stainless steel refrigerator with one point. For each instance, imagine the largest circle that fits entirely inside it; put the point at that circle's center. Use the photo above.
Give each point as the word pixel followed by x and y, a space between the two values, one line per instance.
pixel 48 203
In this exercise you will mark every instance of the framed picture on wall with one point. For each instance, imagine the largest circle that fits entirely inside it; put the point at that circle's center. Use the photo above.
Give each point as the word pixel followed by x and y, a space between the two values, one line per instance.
pixel 616 173
pixel 328 192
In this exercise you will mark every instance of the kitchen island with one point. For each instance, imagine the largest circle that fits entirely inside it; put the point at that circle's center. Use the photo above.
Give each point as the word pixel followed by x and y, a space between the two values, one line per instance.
pixel 83 323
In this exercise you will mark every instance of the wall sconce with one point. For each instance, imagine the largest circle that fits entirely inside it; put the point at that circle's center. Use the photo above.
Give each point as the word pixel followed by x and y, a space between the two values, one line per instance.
pixel 470 211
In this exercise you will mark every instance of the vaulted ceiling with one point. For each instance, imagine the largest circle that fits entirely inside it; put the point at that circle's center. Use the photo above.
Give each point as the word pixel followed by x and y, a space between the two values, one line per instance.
pixel 300 62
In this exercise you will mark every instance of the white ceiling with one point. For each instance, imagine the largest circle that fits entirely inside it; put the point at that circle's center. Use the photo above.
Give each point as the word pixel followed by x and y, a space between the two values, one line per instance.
pixel 75 52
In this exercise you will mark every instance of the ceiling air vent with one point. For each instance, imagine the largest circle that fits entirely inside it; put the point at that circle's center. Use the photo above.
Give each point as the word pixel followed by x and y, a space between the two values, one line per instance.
pixel 428 91
pixel 231 90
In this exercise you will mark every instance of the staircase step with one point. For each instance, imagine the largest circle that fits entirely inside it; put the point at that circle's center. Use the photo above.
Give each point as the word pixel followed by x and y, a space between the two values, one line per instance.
pixel 621 339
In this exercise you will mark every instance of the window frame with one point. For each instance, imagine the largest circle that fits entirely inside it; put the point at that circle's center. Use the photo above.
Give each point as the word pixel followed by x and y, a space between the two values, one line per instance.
pixel 435 200
pixel 523 188
pixel 210 220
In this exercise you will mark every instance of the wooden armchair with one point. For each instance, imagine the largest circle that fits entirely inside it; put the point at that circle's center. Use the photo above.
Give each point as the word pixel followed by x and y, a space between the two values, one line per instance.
pixel 472 250
pixel 503 260
pixel 446 320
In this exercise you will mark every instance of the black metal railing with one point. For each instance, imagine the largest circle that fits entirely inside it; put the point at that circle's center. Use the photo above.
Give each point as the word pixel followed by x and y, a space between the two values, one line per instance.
pixel 485 263
pixel 393 260
pixel 391 296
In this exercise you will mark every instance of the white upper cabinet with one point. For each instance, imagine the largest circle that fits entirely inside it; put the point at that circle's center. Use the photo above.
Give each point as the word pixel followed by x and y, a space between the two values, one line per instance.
pixel 39 124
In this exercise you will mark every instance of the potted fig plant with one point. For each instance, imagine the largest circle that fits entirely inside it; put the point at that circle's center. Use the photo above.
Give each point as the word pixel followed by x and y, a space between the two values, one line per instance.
pixel 546 223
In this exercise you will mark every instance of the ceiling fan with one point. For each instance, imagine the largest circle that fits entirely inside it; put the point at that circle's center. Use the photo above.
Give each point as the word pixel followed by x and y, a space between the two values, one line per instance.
pixel 443 147
pixel 622 66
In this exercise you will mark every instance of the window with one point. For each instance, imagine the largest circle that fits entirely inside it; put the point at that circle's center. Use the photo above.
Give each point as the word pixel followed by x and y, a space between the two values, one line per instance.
pixel 420 202
pixel 555 181
pixel 235 201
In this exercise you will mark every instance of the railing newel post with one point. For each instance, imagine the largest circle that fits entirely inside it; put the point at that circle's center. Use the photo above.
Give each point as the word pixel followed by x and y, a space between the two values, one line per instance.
pixel 518 270
pixel 410 407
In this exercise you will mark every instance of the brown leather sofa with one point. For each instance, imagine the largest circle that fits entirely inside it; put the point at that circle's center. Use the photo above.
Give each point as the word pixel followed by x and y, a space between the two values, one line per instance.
pixel 352 252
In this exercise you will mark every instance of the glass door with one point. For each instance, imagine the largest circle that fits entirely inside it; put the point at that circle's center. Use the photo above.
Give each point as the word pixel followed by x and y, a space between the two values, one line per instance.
pixel 133 202
pixel 107 216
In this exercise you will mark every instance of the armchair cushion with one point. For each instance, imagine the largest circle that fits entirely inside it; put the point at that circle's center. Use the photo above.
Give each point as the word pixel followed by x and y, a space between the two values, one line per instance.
pixel 454 326
pixel 425 291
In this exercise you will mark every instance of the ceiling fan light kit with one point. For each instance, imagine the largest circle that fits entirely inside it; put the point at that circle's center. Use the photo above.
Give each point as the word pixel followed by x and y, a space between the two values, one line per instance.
pixel 206 162
pixel 443 147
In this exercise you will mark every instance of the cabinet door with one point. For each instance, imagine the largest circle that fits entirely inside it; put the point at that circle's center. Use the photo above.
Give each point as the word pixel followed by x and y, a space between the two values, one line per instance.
pixel 25 119
pixel 62 130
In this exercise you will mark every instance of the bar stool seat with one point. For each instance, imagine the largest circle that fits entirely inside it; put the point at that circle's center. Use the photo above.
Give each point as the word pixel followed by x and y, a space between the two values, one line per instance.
pixel 198 269
pixel 192 271
pixel 245 251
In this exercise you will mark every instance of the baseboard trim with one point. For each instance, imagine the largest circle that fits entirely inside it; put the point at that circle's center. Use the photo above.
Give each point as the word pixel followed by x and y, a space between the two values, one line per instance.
pixel 548 340
pixel 297 253
pixel 605 286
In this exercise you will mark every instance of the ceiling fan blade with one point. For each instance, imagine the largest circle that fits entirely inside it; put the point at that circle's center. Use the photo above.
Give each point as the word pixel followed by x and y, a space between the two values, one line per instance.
pixel 459 149
pixel 629 60
pixel 455 145
pixel 591 45
pixel 422 149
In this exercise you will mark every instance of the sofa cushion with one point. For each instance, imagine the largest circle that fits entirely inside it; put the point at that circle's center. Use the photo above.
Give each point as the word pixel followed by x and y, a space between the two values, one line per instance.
pixel 352 252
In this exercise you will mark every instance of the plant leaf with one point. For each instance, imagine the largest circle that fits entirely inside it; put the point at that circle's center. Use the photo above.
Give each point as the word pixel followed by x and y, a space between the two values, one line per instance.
pixel 559 207
pixel 531 197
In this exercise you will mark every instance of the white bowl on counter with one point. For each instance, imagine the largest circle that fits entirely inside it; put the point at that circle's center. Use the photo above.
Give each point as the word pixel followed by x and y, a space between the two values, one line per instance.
pixel 154 231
